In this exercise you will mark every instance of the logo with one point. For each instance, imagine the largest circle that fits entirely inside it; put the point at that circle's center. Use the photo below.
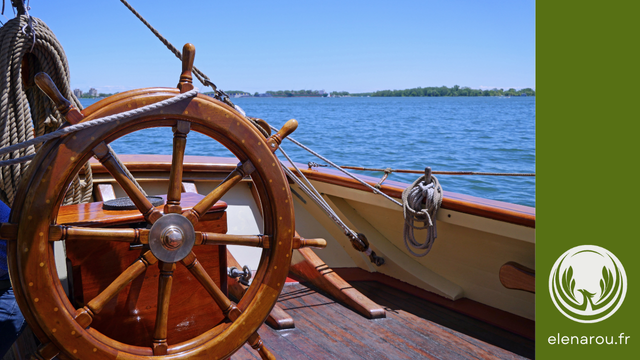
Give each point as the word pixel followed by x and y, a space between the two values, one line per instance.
pixel 587 284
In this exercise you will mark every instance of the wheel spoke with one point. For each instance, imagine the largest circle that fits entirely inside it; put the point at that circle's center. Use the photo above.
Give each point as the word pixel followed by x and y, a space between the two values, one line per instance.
pixel 210 238
pixel 180 132
pixel 84 316
pixel 142 203
pixel 228 308
pixel 199 209
pixel 162 315
pixel 256 342
pixel 260 241
pixel 61 232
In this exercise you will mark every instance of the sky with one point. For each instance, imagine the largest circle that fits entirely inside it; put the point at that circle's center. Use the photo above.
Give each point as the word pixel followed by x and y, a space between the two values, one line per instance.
pixel 255 46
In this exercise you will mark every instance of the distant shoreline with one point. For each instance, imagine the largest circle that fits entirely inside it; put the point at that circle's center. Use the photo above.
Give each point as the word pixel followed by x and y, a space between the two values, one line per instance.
pixel 442 91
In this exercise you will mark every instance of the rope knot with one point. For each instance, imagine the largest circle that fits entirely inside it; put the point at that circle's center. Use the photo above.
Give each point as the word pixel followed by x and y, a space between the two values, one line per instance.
pixel 429 193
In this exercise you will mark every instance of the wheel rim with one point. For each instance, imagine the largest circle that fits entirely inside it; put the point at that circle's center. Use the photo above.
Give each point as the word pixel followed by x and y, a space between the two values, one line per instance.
pixel 33 269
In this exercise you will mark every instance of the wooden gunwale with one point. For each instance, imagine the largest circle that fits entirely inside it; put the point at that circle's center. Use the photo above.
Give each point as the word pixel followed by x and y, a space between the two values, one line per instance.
pixel 491 209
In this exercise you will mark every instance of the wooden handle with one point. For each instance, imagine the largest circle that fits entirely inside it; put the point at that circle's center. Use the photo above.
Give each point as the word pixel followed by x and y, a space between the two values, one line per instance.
pixel 63 105
pixel 275 140
pixel 289 127
pixel 299 242
pixel 186 78
pixel 45 84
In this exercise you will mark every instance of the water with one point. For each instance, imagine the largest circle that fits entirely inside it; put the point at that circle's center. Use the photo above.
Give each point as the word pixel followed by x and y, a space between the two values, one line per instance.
pixel 452 134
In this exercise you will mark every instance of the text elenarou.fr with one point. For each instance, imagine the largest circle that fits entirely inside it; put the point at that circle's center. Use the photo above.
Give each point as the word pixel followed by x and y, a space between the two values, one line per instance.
pixel 621 339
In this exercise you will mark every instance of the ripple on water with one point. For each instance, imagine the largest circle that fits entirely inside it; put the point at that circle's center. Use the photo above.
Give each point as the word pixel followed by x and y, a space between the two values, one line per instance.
pixel 453 134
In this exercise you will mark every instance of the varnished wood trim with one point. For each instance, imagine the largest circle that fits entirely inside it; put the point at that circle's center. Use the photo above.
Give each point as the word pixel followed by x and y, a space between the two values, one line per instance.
pixel 92 214
pixel 502 319
pixel 497 210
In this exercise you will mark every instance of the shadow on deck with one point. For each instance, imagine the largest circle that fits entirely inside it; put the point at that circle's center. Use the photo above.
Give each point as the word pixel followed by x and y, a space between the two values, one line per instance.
pixel 413 329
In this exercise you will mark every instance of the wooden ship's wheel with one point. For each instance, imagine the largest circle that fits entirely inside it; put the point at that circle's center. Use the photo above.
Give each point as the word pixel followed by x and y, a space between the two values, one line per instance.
pixel 169 240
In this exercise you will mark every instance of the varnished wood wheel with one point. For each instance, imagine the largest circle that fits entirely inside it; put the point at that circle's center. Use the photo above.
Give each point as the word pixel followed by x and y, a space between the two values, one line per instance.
pixel 61 326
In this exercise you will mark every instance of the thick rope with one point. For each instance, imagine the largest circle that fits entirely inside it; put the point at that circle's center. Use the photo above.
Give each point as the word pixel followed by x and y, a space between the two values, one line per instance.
pixel 429 192
pixel 95 122
pixel 24 110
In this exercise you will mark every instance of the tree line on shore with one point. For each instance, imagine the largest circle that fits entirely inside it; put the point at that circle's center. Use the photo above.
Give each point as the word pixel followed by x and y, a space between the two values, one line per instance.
pixel 456 90
pixel 100 95
pixel 441 91
pixel 292 93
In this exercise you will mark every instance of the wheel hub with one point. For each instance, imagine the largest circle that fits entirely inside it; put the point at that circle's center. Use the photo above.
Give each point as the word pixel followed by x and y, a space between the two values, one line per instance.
pixel 171 238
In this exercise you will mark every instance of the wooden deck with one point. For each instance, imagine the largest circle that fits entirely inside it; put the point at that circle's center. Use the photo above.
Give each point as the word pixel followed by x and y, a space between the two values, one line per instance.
pixel 412 330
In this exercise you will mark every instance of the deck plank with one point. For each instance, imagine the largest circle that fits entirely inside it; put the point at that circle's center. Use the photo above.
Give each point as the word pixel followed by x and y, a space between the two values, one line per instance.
pixel 394 331
pixel 477 330
pixel 357 340
pixel 423 337
pixel 245 353
pixel 310 324
pixel 327 330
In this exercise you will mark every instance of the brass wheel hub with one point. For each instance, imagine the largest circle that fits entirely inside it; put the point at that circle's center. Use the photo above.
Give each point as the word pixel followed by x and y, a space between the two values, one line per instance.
pixel 171 238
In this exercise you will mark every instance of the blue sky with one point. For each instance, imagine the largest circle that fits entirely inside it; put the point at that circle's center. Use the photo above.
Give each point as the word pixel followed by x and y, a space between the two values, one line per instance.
pixel 354 46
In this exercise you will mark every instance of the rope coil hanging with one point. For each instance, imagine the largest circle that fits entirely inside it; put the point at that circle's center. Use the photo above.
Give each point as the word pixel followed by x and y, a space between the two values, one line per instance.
pixel 425 189
pixel 28 46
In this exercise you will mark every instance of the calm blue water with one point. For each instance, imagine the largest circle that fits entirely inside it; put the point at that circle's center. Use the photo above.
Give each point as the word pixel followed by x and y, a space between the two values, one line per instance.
pixel 453 134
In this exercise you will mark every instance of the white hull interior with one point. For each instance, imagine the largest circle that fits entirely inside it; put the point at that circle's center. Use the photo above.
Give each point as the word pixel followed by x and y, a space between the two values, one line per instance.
pixel 463 263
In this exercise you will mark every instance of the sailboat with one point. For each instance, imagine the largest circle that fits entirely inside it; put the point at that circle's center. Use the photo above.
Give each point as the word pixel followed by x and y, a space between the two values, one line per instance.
pixel 198 257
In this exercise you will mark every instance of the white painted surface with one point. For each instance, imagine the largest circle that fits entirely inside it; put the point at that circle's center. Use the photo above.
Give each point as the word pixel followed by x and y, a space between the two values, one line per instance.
pixel 243 218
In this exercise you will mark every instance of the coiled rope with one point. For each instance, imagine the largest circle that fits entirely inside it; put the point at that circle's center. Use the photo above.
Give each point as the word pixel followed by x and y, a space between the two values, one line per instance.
pixel 27 46
pixel 412 198
pixel 425 189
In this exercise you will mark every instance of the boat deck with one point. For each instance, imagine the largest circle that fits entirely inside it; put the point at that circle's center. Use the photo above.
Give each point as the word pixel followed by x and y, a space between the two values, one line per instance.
pixel 327 330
